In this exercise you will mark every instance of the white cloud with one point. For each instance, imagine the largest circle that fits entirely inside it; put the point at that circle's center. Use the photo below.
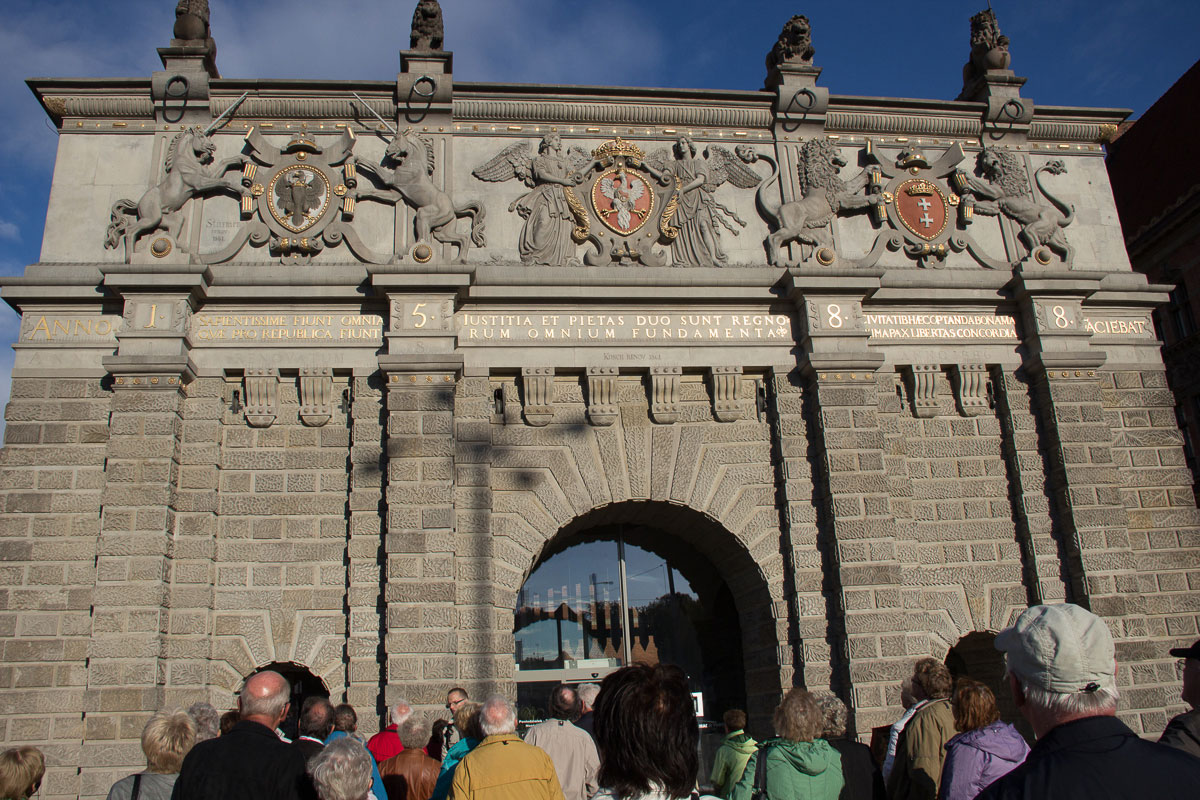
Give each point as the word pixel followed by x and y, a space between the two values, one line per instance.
pixel 9 231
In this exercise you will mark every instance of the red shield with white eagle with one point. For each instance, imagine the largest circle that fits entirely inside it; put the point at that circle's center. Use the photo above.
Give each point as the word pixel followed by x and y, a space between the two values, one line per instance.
pixel 623 200
pixel 922 208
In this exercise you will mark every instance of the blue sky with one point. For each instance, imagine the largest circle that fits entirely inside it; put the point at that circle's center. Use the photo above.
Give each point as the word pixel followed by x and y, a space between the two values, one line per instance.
pixel 1074 53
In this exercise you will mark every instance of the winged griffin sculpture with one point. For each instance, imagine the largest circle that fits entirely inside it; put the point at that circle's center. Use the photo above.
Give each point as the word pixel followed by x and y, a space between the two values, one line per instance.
pixel 547 208
pixel 698 216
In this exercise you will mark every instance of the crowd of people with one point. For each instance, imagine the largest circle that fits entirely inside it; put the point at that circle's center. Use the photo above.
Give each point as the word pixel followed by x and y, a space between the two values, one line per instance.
pixel 635 736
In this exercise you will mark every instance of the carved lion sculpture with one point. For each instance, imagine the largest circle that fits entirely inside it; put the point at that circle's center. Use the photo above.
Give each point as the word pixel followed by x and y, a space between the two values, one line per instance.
pixel 989 47
pixel 191 20
pixel 426 26
pixel 410 181
pixel 186 177
pixel 794 44
pixel 1007 191
pixel 824 195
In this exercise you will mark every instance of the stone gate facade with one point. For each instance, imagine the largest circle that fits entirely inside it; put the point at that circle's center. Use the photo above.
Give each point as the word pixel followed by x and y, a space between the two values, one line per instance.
pixel 317 375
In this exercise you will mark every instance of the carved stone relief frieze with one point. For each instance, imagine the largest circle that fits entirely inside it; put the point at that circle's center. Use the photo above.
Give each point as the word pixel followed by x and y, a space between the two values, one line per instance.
pixel 262 396
pixel 537 390
pixel 629 207
pixel 664 394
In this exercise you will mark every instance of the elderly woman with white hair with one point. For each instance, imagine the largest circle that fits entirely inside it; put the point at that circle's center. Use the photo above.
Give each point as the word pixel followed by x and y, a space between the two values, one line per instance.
pixel 861 773
pixel 166 739
pixel 342 770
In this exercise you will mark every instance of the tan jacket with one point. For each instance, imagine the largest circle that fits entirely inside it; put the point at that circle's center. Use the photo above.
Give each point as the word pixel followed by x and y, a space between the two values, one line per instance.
pixel 574 755
pixel 503 767
pixel 917 771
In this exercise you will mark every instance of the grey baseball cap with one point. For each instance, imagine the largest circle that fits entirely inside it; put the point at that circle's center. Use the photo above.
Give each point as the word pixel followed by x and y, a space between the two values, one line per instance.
pixel 1061 648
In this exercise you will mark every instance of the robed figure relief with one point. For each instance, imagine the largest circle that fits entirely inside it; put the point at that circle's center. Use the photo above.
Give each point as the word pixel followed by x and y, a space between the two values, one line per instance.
pixel 698 215
pixel 546 208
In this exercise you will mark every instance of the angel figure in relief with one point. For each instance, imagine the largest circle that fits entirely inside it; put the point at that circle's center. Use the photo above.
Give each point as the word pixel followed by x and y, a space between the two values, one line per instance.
pixel 699 215
pixel 546 235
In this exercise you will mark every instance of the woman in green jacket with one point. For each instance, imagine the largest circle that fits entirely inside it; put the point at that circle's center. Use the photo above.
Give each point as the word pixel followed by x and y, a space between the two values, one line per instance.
pixel 799 766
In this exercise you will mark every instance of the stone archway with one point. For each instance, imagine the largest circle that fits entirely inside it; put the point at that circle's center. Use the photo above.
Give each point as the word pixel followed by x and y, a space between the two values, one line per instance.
pixel 734 596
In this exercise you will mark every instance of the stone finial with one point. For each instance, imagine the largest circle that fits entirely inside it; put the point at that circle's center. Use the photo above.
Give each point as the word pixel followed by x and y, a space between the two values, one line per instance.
pixel 191 20
pixel 989 52
pixel 794 45
pixel 426 26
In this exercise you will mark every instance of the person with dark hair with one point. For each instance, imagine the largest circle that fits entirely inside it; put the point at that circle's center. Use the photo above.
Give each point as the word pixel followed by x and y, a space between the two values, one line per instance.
pixel 21 772
pixel 345 718
pixel 315 725
pixel 228 720
pixel 570 748
pixel 349 719
pixel 435 748
pixel 411 774
pixel 921 749
pixel 1183 731
pixel 166 739
pixel 731 757
pixel 250 760
pixel 986 749
pixel 798 764
pixel 502 767
pixel 647 734
pixel 860 771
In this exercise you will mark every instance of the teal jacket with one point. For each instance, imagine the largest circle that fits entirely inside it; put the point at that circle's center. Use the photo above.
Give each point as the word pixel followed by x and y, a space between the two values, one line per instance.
pixel 441 790
pixel 735 750
pixel 795 771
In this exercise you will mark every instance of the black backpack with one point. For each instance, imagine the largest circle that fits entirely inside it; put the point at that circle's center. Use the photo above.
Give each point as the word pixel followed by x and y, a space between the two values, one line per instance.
pixel 759 790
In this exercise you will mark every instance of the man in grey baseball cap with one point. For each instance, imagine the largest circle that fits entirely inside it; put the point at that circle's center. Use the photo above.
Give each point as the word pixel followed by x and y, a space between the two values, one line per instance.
pixel 1183 731
pixel 1062 672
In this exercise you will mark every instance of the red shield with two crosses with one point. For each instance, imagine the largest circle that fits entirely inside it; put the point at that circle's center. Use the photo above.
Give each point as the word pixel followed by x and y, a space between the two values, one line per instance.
pixel 922 207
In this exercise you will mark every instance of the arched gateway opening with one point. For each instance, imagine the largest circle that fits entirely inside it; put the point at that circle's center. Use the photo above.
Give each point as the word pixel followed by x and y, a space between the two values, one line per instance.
pixel 654 583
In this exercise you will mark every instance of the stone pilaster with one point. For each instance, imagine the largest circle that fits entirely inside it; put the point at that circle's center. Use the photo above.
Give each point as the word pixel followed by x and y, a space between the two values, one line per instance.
pixel 51 476
pixel 365 552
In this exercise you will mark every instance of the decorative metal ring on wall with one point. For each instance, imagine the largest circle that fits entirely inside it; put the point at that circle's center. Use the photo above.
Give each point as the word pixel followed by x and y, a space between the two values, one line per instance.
pixel 803 108
pixel 412 115
pixel 169 91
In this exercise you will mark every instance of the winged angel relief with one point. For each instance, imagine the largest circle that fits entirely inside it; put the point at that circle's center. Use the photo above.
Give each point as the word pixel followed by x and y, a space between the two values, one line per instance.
pixel 623 186
pixel 698 214
pixel 546 237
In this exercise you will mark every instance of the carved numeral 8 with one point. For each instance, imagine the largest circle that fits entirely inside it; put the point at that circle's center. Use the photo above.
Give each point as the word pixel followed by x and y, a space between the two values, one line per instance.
pixel 1060 317
pixel 835 315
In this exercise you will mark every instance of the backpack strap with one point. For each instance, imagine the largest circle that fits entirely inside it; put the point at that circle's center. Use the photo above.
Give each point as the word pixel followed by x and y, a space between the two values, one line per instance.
pixel 137 787
pixel 760 773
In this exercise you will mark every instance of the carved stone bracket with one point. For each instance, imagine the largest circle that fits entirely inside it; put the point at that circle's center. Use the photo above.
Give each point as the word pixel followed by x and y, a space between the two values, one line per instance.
pixel 262 396
pixel 537 384
pixel 316 396
pixel 602 395
pixel 970 382
pixel 664 394
pixel 922 389
pixel 725 382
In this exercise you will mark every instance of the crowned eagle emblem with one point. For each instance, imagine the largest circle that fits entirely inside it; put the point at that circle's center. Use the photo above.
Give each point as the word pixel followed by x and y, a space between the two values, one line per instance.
pixel 299 194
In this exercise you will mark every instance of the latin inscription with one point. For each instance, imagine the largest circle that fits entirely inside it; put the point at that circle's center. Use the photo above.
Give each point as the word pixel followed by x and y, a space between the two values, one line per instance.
pixel 1134 328
pixel 42 328
pixel 941 326
pixel 326 327
pixel 623 328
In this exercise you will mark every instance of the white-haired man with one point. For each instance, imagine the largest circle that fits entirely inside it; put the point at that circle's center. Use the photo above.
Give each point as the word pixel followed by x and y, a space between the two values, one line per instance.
pixel 502 767
pixel 587 696
pixel 1062 672
pixel 250 761
pixel 386 743
pixel 342 770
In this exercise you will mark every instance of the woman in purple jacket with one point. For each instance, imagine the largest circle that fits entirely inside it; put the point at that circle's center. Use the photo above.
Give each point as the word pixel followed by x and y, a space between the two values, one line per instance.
pixel 986 748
